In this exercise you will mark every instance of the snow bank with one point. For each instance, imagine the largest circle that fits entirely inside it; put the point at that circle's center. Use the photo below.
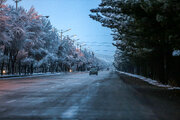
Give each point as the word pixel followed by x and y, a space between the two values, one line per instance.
pixel 6 77
pixel 150 81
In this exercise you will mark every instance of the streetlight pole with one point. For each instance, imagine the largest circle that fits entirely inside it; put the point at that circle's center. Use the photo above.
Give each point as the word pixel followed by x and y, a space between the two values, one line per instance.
pixel 61 33
pixel 77 44
pixel 93 54
pixel 16 1
pixel 83 44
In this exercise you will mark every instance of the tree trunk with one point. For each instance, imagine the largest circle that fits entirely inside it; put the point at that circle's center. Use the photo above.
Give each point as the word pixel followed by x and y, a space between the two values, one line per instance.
pixel 32 68
pixel 2 67
pixel 19 67
pixel 12 67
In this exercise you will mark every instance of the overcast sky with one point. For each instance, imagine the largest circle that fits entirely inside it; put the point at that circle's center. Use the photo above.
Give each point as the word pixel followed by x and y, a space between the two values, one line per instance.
pixel 74 14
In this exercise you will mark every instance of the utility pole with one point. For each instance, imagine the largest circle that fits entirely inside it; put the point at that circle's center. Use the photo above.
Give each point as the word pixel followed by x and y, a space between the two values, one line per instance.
pixel 16 1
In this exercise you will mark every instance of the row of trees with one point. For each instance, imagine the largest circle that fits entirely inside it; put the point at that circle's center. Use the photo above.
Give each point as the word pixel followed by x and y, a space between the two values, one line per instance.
pixel 29 43
pixel 146 34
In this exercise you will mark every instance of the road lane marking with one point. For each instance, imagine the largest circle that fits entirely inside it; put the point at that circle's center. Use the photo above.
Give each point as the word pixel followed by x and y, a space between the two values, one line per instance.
pixel 97 84
pixel 3 109
pixel 11 101
pixel 77 83
pixel 71 112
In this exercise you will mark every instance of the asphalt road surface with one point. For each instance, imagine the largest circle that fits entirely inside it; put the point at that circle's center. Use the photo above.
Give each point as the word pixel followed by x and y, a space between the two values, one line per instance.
pixel 78 96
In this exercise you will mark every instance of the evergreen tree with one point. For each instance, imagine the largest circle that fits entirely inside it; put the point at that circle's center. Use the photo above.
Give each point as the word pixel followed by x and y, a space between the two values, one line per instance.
pixel 146 33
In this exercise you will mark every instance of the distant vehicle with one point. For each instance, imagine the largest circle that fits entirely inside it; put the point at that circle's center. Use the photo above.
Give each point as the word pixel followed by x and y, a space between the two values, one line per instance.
pixel 93 71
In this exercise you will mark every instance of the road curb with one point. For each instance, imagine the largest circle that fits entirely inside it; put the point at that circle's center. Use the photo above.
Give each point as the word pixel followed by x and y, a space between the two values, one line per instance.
pixel 148 80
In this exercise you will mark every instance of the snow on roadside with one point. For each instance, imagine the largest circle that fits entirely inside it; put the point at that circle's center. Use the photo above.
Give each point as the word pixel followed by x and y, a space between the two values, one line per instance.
pixel 6 77
pixel 150 81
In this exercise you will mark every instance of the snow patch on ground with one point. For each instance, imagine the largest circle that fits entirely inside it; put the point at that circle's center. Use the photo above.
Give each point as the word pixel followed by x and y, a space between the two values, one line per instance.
pixel 150 81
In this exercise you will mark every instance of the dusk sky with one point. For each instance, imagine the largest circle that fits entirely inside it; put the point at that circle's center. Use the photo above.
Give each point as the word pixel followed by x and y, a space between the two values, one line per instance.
pixel 74 14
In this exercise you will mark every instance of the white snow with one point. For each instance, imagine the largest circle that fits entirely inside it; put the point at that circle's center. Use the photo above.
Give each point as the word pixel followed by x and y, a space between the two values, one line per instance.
pixel 150 81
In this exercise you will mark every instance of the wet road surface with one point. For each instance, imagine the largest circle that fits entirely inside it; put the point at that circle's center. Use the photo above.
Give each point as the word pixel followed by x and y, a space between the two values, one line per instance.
pixel 78 96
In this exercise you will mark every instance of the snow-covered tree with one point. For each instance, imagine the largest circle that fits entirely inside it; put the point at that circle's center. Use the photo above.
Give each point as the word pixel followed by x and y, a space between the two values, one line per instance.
pixel 29 43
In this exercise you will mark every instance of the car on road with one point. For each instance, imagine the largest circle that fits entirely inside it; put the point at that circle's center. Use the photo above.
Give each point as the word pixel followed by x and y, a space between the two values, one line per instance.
pixel 93 71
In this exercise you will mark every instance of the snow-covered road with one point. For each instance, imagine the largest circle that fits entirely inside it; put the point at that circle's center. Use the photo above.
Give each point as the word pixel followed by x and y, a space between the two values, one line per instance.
pixel 83 97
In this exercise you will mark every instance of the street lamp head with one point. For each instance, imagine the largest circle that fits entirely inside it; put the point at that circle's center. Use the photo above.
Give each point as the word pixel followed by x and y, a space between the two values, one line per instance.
pixel 46 16
pixel 73 36
pixel 17 0
pixel 65 30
